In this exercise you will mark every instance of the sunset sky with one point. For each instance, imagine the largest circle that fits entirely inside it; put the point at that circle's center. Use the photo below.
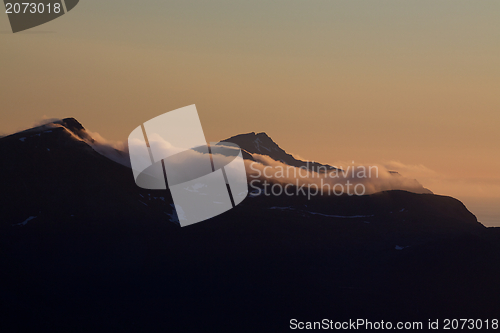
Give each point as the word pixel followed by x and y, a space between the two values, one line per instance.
pixel 413 85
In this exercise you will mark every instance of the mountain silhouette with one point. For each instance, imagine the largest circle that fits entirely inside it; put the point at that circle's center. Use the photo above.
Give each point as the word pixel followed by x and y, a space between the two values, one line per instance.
pixel 262 144
pixel 82 248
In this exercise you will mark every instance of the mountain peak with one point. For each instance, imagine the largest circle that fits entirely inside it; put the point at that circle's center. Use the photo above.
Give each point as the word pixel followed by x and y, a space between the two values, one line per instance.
pixel 69 127
pixel 71 123
pixel 256 143
pixel 262 144
pixel 75 127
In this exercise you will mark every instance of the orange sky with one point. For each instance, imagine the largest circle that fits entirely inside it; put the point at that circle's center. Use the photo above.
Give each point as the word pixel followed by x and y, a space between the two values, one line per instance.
pixel 410 84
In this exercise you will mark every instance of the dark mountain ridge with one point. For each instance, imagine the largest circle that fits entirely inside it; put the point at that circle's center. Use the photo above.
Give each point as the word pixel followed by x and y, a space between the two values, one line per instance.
pixel 82 248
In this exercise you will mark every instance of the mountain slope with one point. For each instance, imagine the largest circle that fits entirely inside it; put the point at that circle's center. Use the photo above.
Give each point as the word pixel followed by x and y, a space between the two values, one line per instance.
pixel 52 169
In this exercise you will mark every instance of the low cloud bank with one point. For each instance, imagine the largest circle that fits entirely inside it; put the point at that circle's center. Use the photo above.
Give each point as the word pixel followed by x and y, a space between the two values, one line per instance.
pixel 349 178
pixel 365 179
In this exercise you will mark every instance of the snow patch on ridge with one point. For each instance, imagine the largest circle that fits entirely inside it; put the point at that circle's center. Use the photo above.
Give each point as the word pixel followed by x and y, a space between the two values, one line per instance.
pixel 26 221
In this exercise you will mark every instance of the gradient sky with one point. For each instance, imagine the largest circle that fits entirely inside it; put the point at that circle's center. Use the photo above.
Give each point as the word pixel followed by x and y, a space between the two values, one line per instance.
pixel 409 84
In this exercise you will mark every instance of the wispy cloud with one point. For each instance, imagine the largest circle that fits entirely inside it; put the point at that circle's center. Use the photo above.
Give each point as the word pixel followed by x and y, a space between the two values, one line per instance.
pixel 374 178
pixel 467 185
